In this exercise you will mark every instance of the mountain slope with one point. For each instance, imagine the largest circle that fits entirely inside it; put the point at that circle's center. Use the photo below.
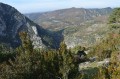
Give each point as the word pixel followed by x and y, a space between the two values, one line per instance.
pixel 12 22
pixel 69 17
pixel 80 26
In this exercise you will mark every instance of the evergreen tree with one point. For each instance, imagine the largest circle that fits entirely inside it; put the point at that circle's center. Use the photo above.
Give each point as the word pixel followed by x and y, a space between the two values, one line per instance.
pixel 66 61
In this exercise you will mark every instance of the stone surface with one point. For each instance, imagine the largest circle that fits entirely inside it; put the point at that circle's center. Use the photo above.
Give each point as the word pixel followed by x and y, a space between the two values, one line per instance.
pixel 12 22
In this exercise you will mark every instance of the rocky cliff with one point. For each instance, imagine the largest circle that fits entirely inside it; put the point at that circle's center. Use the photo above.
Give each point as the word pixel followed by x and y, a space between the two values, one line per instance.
pixel 12 22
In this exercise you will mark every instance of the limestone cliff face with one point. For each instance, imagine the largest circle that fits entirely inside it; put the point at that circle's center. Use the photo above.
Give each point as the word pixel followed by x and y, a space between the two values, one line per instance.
pixel 12 22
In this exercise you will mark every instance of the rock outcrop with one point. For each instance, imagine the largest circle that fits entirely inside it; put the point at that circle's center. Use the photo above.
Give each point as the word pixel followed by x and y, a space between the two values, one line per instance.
pixel 12 22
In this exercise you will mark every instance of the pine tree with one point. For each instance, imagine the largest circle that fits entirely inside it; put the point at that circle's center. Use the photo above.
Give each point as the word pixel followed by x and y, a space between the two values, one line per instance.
pixel 66 61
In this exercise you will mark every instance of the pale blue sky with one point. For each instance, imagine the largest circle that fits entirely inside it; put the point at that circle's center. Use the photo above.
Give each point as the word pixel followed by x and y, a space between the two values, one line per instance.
pixel 27 6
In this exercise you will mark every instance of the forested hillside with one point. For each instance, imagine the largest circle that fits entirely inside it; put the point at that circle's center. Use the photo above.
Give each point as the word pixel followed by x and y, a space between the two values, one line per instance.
pixel 25 62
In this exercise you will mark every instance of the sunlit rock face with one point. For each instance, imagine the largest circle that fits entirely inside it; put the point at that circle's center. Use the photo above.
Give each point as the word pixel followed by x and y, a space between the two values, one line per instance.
pixel 37 41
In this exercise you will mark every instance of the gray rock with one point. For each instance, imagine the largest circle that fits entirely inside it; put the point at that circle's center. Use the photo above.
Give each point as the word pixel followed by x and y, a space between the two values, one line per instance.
pixel 12 22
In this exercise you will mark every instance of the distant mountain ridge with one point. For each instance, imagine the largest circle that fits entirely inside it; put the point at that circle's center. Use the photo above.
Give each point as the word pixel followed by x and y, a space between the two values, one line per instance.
pixel 80 26
pixel 60 19
pixel 12 22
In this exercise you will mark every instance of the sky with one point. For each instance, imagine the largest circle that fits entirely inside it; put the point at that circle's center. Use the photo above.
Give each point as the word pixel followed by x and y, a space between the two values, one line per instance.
pixel 30 6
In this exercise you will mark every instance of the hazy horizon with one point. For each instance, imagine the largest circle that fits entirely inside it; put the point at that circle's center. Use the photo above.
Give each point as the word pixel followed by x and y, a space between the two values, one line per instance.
pixel 29 6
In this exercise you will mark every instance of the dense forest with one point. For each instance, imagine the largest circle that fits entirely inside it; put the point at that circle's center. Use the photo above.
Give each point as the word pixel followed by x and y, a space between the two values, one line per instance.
pixel 25 62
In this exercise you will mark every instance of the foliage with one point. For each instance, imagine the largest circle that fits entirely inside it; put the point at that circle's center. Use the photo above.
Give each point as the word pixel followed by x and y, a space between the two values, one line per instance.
pixel 67 66
pixel 59 64
pixel 114 67
pixel 6 53
pixel 106 47
pixel 78 48
pixel 115 16
pixel 35 64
